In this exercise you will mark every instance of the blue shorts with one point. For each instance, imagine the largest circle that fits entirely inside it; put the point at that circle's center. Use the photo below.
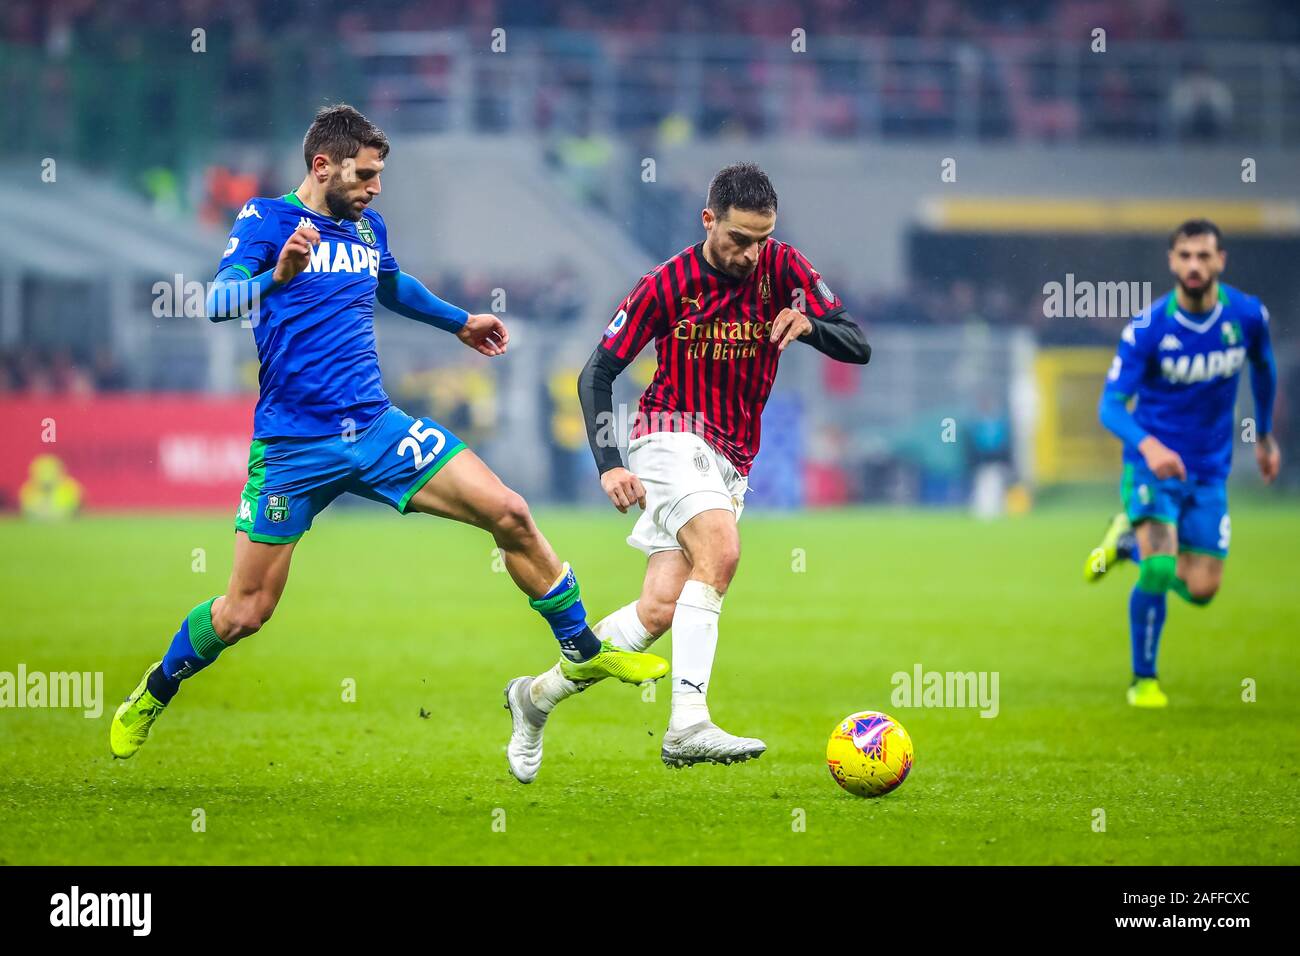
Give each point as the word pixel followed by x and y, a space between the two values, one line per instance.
pixel 1198 507
pixel 291 480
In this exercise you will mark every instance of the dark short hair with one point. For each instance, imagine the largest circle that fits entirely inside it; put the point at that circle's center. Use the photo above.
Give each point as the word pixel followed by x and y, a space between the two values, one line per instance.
pixel 741 186
pixel 1196 227
pixel 340 132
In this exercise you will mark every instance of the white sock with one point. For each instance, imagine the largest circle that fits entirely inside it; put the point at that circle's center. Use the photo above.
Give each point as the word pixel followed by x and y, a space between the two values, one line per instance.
pixel 695 640
pixel 551 687
pixel 623 629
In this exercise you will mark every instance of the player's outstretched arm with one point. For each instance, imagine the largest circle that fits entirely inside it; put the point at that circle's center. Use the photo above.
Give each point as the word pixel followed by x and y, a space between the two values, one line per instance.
pixel 596 393
pixel 407 296
pixel 1263 388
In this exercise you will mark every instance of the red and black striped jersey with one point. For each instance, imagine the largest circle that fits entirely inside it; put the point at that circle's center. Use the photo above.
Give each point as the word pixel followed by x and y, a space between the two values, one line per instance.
pixel 712 341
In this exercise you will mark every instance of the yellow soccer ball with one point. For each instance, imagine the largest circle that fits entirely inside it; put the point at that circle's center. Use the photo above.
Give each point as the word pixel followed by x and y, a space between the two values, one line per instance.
pixel 869 753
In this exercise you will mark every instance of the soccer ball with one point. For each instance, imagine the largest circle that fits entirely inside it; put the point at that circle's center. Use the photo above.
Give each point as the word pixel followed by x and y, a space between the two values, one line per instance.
pixel 869 753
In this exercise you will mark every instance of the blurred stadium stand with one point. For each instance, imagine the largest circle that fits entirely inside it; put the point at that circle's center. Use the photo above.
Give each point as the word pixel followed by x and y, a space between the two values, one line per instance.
pixel 524 174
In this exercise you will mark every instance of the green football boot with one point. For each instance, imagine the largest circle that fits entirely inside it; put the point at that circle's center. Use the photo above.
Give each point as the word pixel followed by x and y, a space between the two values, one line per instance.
pixel 631 667
pixel 1146 692
pixel 134 718
pixel 1117 546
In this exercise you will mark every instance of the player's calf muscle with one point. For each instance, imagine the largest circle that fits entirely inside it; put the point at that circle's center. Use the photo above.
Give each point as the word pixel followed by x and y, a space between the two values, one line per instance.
pixel 256 583
pixel 665 573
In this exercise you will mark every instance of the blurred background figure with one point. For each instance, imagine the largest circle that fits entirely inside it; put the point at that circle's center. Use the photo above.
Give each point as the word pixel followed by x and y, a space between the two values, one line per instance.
pixel 988 458
pixel 49 493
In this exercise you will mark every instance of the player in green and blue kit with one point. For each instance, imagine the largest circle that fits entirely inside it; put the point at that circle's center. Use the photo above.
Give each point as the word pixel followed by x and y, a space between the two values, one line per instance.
pixel 1182 360
pixel 305 270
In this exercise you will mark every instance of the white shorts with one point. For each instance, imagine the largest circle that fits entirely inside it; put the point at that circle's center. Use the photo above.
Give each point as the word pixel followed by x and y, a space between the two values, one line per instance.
pixel 683 476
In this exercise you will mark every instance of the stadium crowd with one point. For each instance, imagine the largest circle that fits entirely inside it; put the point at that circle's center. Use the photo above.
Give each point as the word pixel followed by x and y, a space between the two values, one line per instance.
pixel 29 369
pixel 62 23
pixel 249 44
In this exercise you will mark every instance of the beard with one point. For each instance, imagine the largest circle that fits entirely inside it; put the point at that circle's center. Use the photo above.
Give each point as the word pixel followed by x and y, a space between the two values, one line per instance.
pixel 1196 292
pixel 339 205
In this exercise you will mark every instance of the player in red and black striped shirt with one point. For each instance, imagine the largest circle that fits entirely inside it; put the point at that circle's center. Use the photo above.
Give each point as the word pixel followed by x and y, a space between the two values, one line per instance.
pixel 720 313
pixel 719 329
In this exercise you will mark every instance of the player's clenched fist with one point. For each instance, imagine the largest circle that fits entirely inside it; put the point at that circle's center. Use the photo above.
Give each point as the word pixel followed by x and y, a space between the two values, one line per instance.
pixel 790 325
pixel 296 253
pixel 1269 458
pixel 623 488
pixel 1163 461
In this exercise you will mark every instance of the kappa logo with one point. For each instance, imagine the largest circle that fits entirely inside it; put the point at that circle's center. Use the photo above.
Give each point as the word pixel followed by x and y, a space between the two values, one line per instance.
pixel 248 210
pixel 245 510
pixel 365 232
pixel 1231 332
pixel 687 300
pixel 1170 343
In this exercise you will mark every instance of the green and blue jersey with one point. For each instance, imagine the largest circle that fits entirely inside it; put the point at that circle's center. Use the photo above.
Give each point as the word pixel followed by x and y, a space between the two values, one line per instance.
pixel 1184 370
pixel 315 335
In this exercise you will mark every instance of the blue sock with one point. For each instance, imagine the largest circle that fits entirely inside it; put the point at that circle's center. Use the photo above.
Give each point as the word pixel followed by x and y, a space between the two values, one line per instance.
pixel 1146 611
pixel 193 648
pixel 1146 618
pixel 563 610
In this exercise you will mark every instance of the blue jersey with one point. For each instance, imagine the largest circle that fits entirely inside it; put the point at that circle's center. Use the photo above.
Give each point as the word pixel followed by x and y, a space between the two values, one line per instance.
pixel 1184 369
pixel 315 335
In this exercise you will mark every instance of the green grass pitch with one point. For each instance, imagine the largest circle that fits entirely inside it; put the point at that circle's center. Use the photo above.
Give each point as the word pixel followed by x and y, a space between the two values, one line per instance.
pixel 286 771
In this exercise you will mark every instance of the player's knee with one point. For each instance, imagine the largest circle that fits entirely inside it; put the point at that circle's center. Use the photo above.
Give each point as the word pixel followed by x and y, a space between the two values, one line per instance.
pixel 1157 573
pixel 1202 592
pixel 718 566
pixel 511 519
pixel 246 616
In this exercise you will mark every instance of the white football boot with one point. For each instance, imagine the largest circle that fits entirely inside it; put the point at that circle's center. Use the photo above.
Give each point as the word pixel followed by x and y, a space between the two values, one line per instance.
pixel 524 752
pixel 706 742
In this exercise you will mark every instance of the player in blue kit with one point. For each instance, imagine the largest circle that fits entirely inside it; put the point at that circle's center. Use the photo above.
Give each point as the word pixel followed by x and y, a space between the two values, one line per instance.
pixel 305 270
pixel 1182 360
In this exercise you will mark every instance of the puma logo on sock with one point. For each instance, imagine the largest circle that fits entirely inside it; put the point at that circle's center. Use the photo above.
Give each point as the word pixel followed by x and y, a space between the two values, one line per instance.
pixel 699 687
